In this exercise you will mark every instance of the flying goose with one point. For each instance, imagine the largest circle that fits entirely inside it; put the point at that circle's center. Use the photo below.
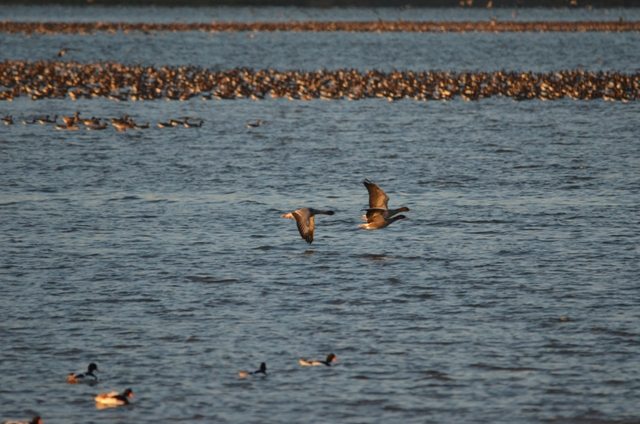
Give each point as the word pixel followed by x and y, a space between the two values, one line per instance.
pixel 305 221
pixel 378 214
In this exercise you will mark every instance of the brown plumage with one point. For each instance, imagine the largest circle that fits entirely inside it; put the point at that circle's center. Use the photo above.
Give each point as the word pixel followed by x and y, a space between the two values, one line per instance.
pixel 305 220
pixel 114 398
pixel 378 214
pixel 331 358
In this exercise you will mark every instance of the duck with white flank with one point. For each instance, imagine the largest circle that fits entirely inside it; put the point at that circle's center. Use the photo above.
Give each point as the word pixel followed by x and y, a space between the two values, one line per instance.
pixel 316 362
pixel 378 214
pixel 305 221
pixel 262 370
pixel 111 399
pixel 84 377
pixel 35 420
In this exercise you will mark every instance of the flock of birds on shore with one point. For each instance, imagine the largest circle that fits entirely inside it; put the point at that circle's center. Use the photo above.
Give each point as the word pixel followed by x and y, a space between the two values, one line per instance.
pixel 115 399
pixel 120 82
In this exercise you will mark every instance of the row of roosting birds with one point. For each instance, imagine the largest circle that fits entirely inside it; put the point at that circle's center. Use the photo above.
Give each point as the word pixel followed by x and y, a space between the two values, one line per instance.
pixel 121 124
pixel 492 25
pixel 54 79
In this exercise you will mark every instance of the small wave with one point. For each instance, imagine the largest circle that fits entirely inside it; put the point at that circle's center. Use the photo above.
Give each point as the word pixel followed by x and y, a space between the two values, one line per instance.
pixel 123 198
pixel 124 299
pixel 437 375
pixel 373 256
pixel 263 248
pixel 487 221
pixel 209 279
pixel 614 332
pixel 490 367
pixel 533 166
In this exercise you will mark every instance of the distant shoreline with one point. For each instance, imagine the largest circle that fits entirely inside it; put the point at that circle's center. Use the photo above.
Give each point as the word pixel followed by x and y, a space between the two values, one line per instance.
pixel 342 3
pixel 322 26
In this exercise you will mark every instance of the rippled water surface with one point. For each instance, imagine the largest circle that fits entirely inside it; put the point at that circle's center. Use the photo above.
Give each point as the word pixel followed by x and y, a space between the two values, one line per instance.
pixel 509 295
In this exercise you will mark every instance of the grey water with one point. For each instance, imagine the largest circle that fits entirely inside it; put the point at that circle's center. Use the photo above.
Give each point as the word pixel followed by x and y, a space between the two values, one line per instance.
pixel 509 295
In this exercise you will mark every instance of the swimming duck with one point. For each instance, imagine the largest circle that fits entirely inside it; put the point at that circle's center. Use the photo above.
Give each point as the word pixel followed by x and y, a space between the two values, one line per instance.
pixel 262 370
pixel 67 127
pixel 165 125
pixel 46 119
pixel 316 362
pixel 88 377
pixel 114 398
pixel 89 122
pixel 305 221
pixel 71 120
pixel 378 214
pixel 255 124
pixel 96 125
pixel 8 120
pixel 140 126
pixel 35 420
pixel 192 123
pixel 121 124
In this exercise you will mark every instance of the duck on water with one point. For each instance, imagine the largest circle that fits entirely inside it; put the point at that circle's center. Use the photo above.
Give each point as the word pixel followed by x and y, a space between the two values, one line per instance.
pixel 112 399
pixel 331 358
pixel 88 377
pixel 262 370
pixel 35 420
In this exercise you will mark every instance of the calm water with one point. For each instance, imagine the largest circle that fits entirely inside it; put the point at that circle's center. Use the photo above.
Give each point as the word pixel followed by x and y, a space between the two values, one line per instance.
pixel 510 295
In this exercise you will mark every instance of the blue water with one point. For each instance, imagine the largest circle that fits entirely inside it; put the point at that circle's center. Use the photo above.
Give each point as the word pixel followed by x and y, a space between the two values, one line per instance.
pixel 509 295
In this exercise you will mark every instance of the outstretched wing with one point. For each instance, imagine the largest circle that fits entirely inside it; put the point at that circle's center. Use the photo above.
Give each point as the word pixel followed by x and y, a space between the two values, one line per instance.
pixel 377 197
pixel 305 223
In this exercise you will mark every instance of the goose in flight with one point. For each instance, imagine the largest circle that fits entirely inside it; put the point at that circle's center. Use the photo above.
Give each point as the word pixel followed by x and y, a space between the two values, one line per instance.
pixel 305 221
pixel 378 214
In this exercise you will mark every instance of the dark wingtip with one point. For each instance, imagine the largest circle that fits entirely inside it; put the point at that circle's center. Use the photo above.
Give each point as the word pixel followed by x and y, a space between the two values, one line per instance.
pixel 330 212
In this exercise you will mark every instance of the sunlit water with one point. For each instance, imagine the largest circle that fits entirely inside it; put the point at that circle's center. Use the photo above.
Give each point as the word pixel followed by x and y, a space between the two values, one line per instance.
pixel 509 295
